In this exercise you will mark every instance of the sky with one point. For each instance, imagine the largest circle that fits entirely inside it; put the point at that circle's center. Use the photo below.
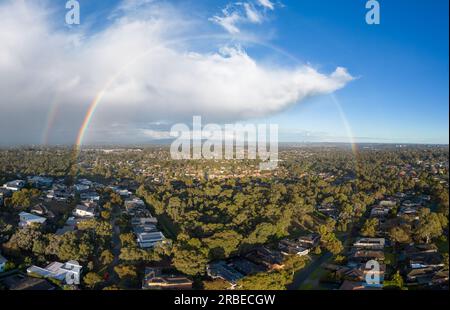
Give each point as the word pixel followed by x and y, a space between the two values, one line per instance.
pixel 314 67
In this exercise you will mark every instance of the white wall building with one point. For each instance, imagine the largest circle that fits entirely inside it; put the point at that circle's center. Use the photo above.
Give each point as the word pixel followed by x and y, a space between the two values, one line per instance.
pixel 68 273
pixel 27 219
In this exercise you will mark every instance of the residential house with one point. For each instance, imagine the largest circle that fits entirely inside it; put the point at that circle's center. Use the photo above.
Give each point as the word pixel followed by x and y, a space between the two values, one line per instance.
pixel 370 243
pixel 421 277
pixel 289 247
pixel 68 273
pixel 264 256
pixel 363 256
pixel 156 280
pixel 90 196
pixel 414 249
pixel 221 270
pixel 408 211
pixel 60 192
pixel 309 241
pixel 425 260
pixel 149 239
pixel 134 201
pixel 379 211
pixel 27 219
pixel 40 181
pixel 427 277
pixel 136 207
pixel 245 266
pixel 42 210
pixel 144 228
pixel 123 192
pixel 329 210
pixel 136 221
pixel 85 182
pixel 15 185
pixel 349 273
pixel 440 278
pixel 411 204
pixel 81 187
pixel 390 203
pixel 84 211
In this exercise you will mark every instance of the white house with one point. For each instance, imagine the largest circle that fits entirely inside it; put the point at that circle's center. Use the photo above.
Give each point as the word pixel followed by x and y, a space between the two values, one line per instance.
pixel 370 243
pixel 81 187
pixel 288 247
pixel 69 272
pixel 123 192
pixel 15 185
pixel 134 201
pixel 84 211
pixel 379 211
pixel 90 196
pixel 150 239
pixel 27 219
pixel 2 263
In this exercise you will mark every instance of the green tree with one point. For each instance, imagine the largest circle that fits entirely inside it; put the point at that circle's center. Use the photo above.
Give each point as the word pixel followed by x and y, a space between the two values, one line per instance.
pixel 396 281
pixel 92 279
pixel 126 271
pixel 429 226
pixel 370 227
pixel 190 261
pixel 399 235
pixel 106 257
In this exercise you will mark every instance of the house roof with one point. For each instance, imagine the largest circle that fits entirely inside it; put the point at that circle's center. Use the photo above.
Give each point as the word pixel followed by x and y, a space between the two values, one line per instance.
pixel 85 208
pixel 154 277
pixel 56 270
pixel 28 217
pixel 151 236
pixel 430 258
pixel 221 270
pixel 245 266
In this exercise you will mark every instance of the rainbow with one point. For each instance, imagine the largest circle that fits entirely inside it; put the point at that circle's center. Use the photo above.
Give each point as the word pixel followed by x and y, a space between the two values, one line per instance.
pixel 88 117
pixel 51 119
pixel 98 98
pixel 100 95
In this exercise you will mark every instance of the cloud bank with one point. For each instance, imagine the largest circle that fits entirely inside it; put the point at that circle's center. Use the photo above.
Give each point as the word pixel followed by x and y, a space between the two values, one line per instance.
pixel 238 13
pixel 49 74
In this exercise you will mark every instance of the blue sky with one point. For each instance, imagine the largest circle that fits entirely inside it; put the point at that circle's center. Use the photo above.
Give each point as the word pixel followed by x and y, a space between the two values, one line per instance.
pixel 398 92
pixel 401 94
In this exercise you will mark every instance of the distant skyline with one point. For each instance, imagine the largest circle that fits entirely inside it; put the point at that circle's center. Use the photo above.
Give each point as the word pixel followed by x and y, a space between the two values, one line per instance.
pixel 133 68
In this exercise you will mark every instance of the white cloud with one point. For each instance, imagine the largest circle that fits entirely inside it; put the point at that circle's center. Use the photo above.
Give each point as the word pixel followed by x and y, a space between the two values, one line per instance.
pixel 41 65
pixel 266 3
pixel 156 134
pixel 252 14
pixel 238 13
pixel 228 20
